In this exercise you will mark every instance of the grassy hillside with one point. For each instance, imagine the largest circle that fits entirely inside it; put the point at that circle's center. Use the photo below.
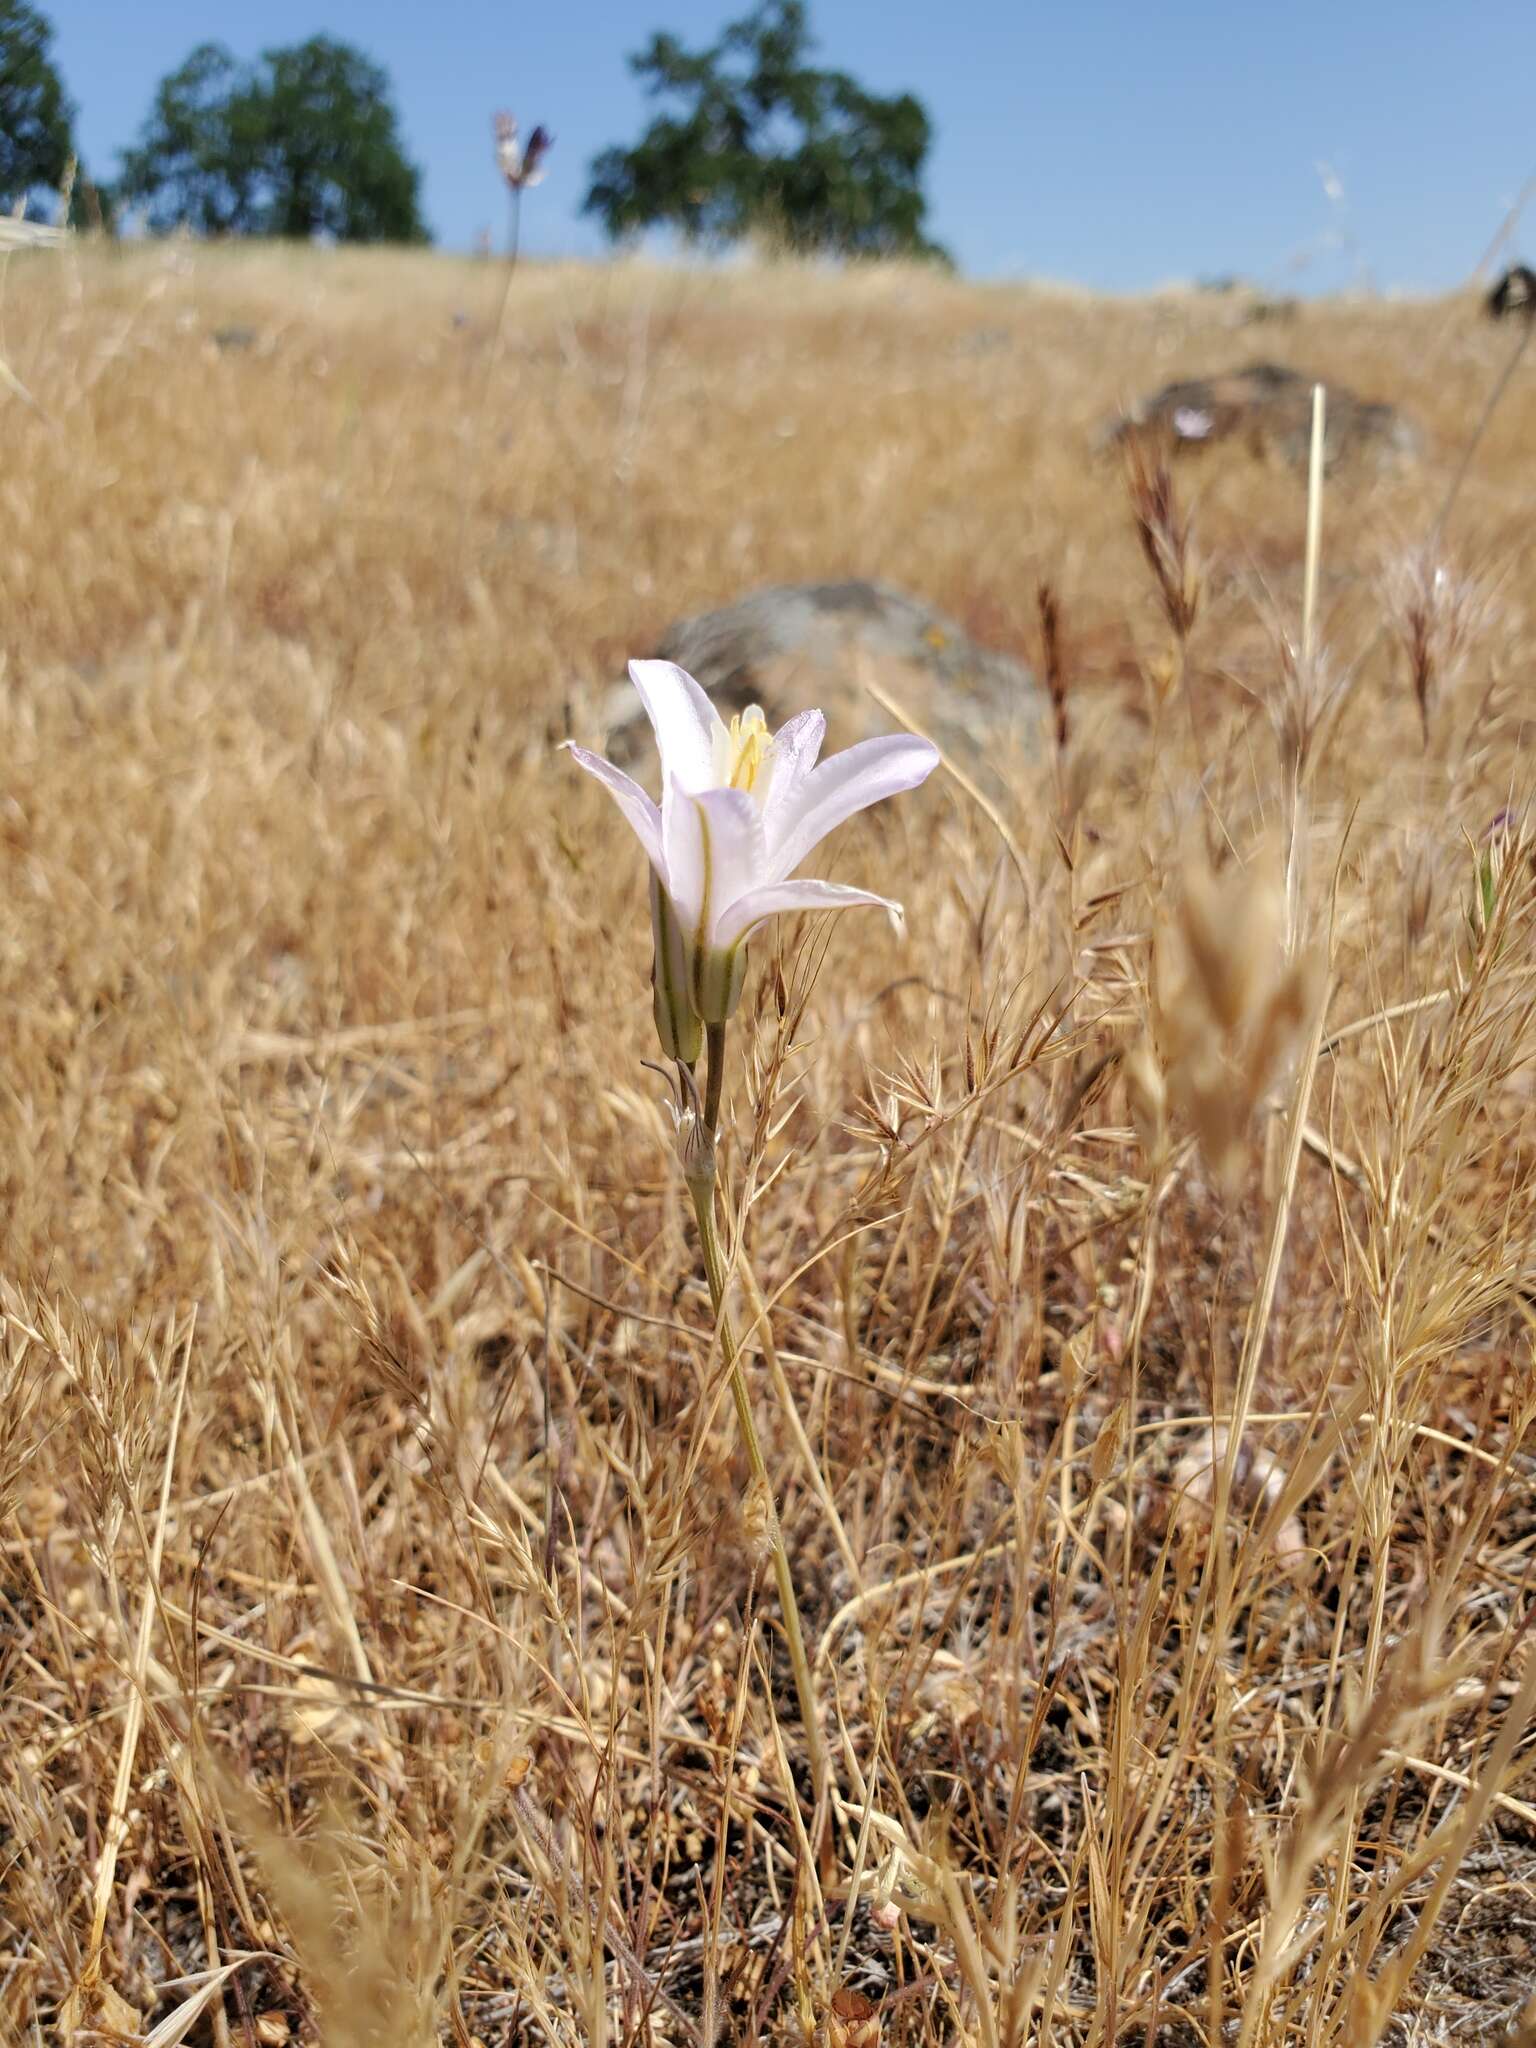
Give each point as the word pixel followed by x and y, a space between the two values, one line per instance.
pixel 389 1650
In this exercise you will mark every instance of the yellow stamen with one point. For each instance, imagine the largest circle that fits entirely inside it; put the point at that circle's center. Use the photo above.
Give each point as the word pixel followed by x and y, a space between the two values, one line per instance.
pixel 749 747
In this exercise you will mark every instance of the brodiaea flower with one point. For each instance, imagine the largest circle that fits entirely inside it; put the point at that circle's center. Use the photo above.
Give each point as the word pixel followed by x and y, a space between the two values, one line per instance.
pixel 521 166
pixel 740 810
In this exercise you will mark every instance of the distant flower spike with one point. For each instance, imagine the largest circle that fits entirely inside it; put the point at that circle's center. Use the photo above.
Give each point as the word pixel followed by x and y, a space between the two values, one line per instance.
pixel 740 809
pixel 521 165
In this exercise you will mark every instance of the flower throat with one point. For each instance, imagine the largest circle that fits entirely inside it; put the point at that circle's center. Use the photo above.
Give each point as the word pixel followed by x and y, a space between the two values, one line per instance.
pixel 748 743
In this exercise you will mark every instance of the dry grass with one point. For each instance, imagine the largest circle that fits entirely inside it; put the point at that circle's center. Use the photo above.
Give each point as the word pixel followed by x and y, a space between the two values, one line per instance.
pixel 386 1654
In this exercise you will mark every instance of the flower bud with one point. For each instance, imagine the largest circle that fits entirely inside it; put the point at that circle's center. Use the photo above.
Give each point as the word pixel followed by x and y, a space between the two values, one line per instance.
pixel 678 1024
pixel 696 1151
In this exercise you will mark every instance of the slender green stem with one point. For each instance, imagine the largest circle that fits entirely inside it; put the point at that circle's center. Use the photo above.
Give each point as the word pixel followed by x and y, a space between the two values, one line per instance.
pixel 703 1194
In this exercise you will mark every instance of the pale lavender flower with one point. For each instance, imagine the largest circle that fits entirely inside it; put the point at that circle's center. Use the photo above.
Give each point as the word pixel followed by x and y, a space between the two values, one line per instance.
pixel 740 810
pixel 521 164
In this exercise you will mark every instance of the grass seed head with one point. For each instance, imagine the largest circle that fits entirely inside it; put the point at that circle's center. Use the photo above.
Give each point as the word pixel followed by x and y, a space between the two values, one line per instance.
pixel 1053 665
pixel 1165 531
pixel 1228 1005
pixel 1437 615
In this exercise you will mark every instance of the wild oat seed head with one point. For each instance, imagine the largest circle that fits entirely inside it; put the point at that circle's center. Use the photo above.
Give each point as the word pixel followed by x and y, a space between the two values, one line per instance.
pixel 1228 1005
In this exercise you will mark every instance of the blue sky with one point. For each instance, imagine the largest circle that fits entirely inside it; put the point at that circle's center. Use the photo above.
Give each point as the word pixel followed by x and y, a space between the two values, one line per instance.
pixel 1116 142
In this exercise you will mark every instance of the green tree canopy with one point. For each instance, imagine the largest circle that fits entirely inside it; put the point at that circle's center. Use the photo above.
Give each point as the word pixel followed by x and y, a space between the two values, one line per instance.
pixel 305 142
pixel 35 115
pixel 764 142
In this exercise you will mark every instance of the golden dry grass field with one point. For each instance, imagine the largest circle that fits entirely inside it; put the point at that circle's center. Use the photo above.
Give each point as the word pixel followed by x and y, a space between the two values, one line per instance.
pixel 389 1649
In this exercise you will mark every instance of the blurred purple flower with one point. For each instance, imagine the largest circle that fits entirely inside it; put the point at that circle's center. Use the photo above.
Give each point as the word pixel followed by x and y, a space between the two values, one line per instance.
pixel 521 164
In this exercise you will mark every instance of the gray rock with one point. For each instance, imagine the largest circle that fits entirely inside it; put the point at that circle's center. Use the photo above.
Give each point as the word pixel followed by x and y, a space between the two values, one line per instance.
pixel 1267 407
pixel 816 643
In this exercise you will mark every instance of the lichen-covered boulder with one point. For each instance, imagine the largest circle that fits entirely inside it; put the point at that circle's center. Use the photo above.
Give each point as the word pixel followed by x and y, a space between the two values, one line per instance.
pixel 1267 408
pixel 819 643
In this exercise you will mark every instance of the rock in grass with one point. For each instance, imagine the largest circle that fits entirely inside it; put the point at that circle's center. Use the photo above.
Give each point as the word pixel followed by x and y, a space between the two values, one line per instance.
pixel 1265 408
pixel 816 643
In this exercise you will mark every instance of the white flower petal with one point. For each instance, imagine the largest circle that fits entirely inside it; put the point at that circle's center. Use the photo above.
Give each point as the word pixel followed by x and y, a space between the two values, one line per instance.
pixel 749 911
pixel 849 782
pixel 791 757
pixel 643 817
pixel 684 865
pixel 685 722
pixel 734 851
